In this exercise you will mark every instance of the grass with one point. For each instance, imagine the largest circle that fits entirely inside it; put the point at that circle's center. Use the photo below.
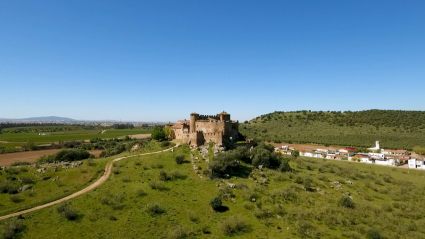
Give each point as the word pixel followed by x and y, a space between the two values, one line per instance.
pixel 77 134
pixel 282 207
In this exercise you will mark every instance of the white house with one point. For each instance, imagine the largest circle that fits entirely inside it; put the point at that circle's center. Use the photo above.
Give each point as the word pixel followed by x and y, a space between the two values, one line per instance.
pixel 415 163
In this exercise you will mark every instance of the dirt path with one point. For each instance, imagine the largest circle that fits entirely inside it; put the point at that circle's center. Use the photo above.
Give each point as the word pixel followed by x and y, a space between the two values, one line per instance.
pixel 99 182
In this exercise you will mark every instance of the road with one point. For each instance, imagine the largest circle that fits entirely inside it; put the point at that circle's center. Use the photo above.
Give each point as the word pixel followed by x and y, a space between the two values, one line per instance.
pixel 96 184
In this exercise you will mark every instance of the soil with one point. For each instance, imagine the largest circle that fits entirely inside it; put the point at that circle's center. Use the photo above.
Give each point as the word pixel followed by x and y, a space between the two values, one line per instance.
pixel 31 156
pixel 306 146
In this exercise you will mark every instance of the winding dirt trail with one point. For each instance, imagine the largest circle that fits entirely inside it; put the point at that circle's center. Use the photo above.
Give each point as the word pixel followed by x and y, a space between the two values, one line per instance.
pixel 99 182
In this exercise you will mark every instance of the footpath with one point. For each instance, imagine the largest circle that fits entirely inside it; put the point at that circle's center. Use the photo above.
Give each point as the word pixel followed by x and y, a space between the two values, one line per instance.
pixel 96 184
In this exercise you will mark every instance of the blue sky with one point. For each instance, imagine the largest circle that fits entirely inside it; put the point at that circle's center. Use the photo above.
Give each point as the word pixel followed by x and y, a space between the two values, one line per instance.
pixel 162 60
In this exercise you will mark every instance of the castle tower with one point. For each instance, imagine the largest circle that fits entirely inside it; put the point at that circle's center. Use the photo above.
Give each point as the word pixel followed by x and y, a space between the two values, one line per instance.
pixel 193 118
pixel 224 116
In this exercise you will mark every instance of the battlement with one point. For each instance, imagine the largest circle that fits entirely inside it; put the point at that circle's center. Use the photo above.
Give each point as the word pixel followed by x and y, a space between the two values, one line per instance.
pixel 207 117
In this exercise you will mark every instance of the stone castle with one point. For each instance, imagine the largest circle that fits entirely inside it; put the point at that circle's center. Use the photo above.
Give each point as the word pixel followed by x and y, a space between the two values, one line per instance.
pixel 201 129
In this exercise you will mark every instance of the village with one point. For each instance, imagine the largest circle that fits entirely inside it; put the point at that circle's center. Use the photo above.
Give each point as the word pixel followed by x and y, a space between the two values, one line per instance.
pixel 375 155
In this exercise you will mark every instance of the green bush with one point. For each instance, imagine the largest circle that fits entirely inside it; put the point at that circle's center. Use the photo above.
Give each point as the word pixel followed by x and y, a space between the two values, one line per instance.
pixel 234 224
pixel 346 201
pixel 157 185
pixel 154 209
pixel 216 203
pixel 179 159
pixel 12 228
pixel 67 211
pixel 163 176
pixel 374 234
pixel 141 193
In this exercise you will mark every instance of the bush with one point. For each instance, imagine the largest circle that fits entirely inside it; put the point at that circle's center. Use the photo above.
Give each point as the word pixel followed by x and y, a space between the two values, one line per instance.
pixel 154 209
pixel 113 200
pixel 20 163
pixel 65 155
pixel 178 232
pixel 163 176
pixel 12 227
pixel 165 143
pixel 374 234
pixel 306 229
pixel 346 201
pixel 16 198
pixel 234 224
pixel 179 159
pixel 116 170
pixel 141 193
pixel 157 185
pixel 192 216
pixel 176 175
pixel 67 211
pixel 216 203
pixel 263 213
pixel 284 166
pixel 225 193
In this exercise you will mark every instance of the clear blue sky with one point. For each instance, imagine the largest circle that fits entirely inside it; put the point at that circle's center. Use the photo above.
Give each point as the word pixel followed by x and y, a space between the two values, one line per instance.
pixel 162 60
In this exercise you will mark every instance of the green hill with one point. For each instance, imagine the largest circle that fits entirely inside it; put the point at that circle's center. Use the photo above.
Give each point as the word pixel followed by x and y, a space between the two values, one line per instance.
pixel 395 129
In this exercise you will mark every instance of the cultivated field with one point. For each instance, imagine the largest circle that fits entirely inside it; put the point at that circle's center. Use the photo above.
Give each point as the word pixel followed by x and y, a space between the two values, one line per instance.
pixel 32 156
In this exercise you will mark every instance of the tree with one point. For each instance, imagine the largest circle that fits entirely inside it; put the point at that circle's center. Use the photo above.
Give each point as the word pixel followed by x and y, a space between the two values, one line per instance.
pixel 158 133
pixel 295 153
pixel 216 203
pixel 169 132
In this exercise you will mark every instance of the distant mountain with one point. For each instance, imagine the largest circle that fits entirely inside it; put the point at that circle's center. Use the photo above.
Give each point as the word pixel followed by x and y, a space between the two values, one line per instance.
pixel 49 118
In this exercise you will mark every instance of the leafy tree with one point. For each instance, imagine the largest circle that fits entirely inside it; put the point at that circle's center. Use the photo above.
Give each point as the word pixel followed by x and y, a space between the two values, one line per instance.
pixel 169 132
pixel 295 153
pixel 158 133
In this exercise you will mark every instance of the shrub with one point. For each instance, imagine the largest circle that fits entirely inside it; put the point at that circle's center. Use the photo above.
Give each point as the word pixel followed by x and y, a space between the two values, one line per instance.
pixel 126 179
pixel 154 209
pixel 165 143
pixel 263 213
pixel 141 193
pixel 113 200
pixel 163 176
pixel 248 206
pixel 157 185
pixel 178 232
pixel 192 216
pixel 306 229
pixel 284 166
pixel 91 162
pixel 20 163
pixel 216 203
pixel 176 175
pixel 179 159
pixel 234 224
pixel 225 193
pixel 116 170
pixel 157 165
pixel 16 198
pixel 346 201
pixel 374 234
pixel 12 227
pixel 67 211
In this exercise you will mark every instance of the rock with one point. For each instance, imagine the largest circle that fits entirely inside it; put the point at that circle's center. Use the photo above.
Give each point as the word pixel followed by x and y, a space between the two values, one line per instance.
pixel 196 158
pixel 231 185
pixel 41 170
pixel 278 217
pixel 253 200
pixel 25 187
pixel 348 193
pixel 260 167
pixel 349 182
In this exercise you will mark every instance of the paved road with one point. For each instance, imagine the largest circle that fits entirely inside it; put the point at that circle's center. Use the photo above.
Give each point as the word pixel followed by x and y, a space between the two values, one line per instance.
pixel 99 182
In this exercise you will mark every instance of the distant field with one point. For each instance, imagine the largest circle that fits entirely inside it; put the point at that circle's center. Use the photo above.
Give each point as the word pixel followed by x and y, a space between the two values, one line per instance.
pixel 78 134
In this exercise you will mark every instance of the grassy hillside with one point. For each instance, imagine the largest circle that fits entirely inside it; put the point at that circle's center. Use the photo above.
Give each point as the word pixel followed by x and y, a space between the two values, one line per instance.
pixel 395 129
pixel 308 203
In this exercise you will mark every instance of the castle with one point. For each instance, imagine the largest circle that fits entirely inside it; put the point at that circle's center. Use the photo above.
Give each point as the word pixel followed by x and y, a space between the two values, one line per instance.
pixel 202 129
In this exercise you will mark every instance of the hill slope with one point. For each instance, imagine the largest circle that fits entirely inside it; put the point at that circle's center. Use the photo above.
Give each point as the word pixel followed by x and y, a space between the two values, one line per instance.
pixel 394 128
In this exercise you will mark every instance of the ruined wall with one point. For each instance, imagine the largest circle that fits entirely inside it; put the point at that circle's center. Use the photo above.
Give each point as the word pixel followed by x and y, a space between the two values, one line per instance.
pixel 210 127
pixel 216 138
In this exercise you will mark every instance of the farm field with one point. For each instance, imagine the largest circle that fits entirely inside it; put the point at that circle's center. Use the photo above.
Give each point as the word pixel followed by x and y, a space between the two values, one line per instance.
pixel 32 156
pixel 305 203
pixel 69 135
pixel 16 139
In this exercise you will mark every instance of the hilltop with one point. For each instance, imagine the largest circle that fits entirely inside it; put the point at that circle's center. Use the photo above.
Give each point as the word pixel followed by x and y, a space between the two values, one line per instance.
pixel 396 129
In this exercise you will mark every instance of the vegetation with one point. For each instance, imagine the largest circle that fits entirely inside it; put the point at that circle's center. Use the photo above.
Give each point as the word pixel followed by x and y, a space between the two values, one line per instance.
pixel 216 203
pixel 65 155
pixel 158 133
pixel 395 129
pixel 317 198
